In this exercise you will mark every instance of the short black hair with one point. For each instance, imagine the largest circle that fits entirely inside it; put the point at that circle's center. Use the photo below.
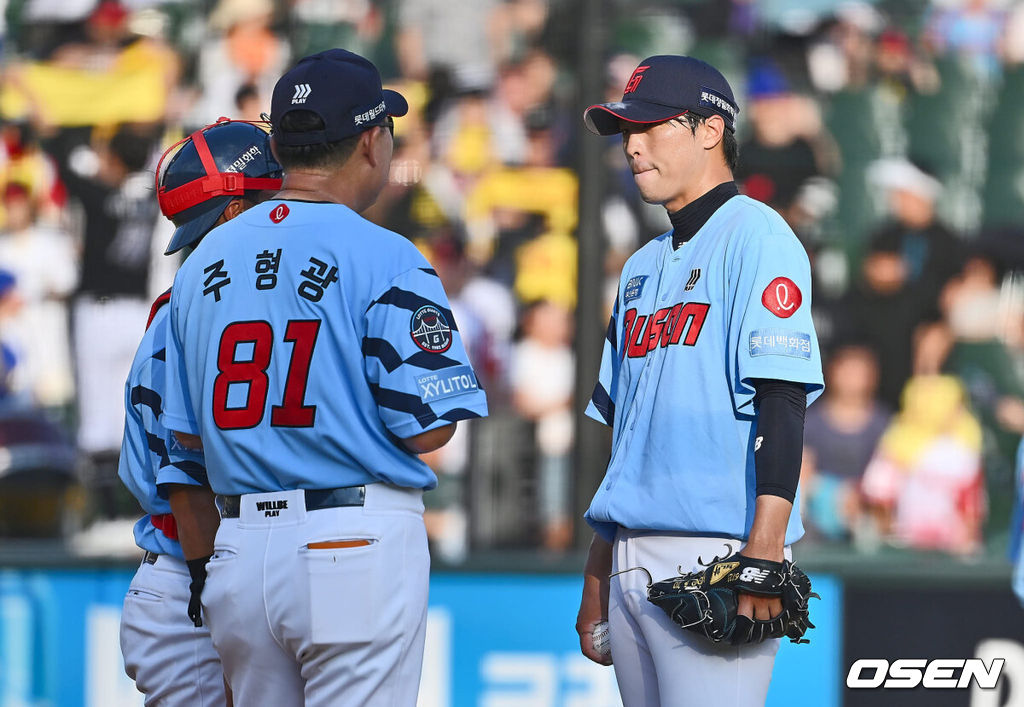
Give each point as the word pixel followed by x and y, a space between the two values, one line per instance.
pixel 319 155
pixel 730 148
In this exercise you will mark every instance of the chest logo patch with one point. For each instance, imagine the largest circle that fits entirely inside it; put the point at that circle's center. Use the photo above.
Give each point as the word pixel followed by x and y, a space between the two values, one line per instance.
pixel 279 213
pixel 634 288
pixel 430 330
pixel 782 297
pixel 692 282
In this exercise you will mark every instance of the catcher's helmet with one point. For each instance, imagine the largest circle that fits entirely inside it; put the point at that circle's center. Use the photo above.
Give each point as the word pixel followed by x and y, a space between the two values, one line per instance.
pixel 197 177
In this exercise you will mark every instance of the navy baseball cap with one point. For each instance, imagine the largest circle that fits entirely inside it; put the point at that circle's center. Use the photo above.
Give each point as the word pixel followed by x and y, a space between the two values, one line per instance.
pixel 343 88
pixel 665 87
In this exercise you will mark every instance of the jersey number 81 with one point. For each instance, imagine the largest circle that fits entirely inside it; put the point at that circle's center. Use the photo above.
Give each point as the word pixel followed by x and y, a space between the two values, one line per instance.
pixel 292 412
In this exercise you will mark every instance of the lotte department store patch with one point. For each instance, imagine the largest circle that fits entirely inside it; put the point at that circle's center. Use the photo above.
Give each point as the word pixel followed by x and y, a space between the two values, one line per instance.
pixel 780 342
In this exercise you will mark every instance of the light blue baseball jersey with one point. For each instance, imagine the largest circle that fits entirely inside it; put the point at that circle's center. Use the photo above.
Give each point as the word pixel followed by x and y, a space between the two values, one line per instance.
pixel 304 341
pixel 150 456
pixel 691 329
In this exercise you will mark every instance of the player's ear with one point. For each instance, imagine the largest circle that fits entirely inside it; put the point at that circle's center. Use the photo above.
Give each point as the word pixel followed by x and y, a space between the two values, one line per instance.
pixel 234 207
pixel 369 146
pixel 714 131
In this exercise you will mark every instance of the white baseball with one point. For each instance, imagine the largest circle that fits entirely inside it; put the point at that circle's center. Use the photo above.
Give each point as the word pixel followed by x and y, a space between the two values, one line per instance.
pixel 599 639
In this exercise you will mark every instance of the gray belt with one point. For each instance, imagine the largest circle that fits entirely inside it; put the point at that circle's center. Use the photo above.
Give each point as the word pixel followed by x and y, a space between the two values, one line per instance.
pixel 316 499
pixel 150 557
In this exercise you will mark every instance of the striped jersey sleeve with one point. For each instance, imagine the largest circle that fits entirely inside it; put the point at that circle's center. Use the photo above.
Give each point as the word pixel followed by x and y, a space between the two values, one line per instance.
pixel 602 402
pixel 150 455
pixel 414 358
pixel 178 413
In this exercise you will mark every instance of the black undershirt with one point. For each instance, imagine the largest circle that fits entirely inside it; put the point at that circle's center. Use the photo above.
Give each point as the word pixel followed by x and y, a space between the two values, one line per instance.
pixel 780 404
pixel 692 217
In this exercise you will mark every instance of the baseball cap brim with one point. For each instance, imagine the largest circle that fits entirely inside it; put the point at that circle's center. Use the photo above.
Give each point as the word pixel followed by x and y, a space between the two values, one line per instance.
pixel 197 227
pixel 603 118
pixel 394 103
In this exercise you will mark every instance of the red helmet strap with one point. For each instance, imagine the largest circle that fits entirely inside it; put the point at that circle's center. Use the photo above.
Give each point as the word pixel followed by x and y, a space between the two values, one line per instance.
pixel 215 183
pixel 205 156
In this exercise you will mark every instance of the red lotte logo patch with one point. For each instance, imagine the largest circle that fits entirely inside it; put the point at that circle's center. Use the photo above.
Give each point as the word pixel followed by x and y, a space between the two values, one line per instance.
pixel 279 213
pixel 782 297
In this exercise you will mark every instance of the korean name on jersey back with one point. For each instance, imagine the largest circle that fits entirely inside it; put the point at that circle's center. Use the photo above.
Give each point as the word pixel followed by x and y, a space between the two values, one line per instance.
pixel 315 279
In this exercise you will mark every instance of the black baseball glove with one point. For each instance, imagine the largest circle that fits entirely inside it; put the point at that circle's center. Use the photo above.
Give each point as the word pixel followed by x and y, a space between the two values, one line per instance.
pixel 197 570
pixel 706 601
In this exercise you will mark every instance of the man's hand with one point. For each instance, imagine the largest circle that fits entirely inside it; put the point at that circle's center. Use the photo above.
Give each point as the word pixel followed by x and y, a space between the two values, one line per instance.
pixel 767 540
pixel 594 603
pixel 197 517
pixel 761 608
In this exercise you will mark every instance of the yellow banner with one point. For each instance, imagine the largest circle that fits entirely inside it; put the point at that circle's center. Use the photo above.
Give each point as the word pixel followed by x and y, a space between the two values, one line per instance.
pixel 134 89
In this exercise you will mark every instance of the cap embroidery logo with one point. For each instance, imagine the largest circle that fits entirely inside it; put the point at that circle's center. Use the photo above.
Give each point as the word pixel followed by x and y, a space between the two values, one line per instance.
pixel 302 91
pixel 243 160
pixel 372 114
pixel 635 79
pixel 713 99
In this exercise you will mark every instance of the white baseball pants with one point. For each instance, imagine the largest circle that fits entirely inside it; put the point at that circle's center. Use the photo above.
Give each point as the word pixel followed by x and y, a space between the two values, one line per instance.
pixel 171 661
pixel 657 662
pixel 105 337
pixel 342 626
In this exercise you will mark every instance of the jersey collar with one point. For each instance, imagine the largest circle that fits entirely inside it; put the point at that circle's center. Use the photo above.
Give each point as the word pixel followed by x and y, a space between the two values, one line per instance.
pixel 692 217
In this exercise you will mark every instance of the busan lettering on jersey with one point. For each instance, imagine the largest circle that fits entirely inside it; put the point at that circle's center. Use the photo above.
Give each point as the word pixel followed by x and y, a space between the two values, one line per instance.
pixel 669 326
pixel 316 278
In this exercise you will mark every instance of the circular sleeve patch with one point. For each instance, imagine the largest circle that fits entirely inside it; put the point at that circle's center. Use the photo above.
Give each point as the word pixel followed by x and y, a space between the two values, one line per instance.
pixel 430 330
pixel 782 297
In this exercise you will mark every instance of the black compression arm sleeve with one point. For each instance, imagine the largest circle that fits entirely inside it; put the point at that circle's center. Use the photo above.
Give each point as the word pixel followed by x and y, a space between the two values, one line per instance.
pixel 778 445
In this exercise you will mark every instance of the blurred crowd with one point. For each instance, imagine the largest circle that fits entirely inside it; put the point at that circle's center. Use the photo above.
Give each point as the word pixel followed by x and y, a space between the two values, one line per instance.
pixel 885 133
